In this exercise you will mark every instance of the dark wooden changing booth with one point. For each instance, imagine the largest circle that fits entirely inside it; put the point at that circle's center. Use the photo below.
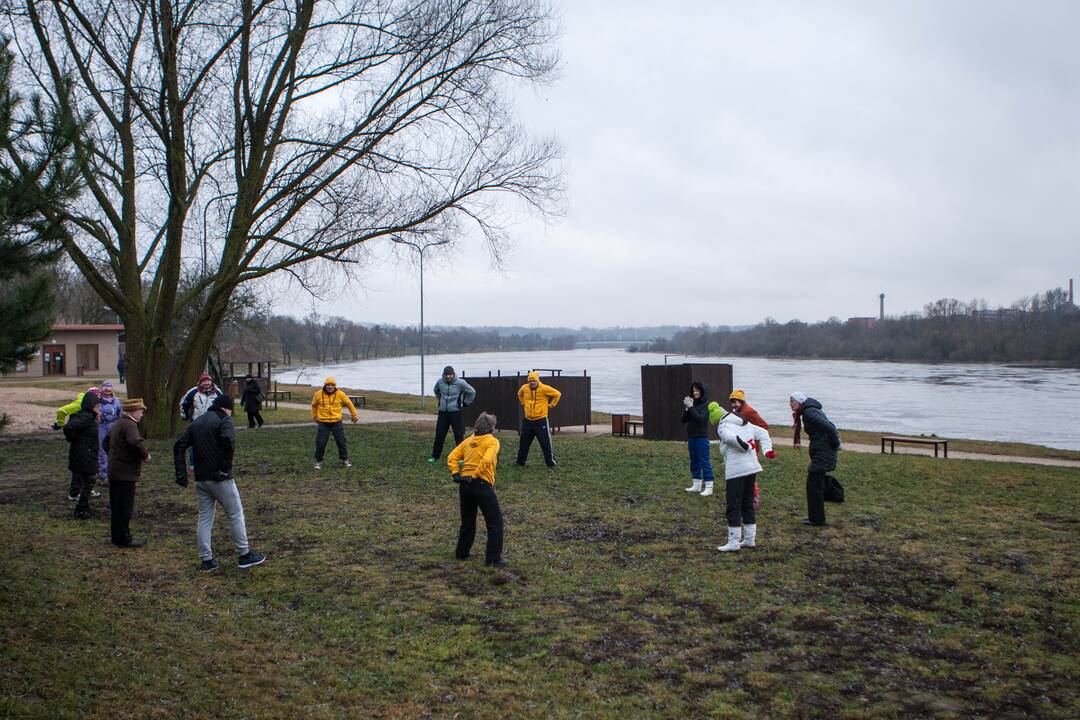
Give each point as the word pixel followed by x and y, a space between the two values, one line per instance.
pixel 498 394
pixel 664 386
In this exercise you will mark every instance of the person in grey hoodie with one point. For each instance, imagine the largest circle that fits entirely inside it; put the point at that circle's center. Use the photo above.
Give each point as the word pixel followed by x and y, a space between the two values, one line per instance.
pixel 824 445
pixel 453 394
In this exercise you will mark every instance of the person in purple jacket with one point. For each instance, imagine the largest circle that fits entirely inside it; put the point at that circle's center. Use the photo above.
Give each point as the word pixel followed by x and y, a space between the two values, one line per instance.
pixel 110 413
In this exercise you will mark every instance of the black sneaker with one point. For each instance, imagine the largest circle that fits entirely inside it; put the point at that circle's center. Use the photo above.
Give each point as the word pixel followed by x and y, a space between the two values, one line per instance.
pixel 251 559
pixel 210 565
pixel 813 524
pixel 500 563
pixel 132 543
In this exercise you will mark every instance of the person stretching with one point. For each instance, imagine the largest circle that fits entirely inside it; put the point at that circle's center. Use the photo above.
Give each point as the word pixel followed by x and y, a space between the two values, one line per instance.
pixel 326 412
pixel 472 467
pixel 739 443
pixel 453 394
pixel 536 398
pixel 696 417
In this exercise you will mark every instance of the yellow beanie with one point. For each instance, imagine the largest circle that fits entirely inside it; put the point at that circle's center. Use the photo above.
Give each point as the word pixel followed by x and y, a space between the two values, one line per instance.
pixel 738 395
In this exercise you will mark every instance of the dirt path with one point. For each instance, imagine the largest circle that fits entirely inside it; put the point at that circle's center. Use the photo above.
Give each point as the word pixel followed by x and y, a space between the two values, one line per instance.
pixel 32 421
pixel 27 418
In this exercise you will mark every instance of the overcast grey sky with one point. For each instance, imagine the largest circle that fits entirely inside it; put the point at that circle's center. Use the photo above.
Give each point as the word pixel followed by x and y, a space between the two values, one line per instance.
pixel 727 161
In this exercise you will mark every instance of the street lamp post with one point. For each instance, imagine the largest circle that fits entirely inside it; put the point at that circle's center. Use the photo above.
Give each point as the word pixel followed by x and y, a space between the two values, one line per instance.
pixel 421 248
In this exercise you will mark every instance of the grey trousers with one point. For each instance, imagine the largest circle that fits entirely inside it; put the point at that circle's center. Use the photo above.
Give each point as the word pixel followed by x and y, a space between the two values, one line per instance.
pixel 224 492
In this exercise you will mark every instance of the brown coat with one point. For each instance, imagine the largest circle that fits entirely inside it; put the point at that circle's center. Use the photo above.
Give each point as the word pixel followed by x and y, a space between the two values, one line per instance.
pixel 751 416
pixel 127 450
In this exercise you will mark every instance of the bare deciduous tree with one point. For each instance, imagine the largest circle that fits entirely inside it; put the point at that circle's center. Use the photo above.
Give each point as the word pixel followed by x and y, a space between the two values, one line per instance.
pixel 240 139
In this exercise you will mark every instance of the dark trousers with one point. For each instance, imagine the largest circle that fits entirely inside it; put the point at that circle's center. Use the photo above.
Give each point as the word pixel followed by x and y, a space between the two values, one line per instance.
pixel 700 460
pixel 121 503
pixel 86 484
pixel 323 435
pixel 815 497
pixel 540 430
pixel 253 417
pixel 740 501
pixel 75 486
pixel 473 494
pixel 446 421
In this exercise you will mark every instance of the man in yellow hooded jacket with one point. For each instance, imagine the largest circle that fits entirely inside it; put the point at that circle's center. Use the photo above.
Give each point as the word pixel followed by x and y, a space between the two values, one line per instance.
pixel 472 465
pixel 326 411
pixel 536 397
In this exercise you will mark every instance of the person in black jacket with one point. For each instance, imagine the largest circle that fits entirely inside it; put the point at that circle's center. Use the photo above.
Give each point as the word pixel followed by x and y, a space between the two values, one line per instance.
pixel 696 417
pixel 212 437
pixel 824 444
pixel 251 400
pixel 82 432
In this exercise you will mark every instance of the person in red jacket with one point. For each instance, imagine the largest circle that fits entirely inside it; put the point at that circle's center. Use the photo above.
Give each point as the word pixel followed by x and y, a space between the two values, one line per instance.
pixel 740 407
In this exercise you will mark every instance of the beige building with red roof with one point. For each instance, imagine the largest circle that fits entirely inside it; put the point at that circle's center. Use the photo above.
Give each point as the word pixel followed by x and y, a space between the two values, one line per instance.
pixel 72 350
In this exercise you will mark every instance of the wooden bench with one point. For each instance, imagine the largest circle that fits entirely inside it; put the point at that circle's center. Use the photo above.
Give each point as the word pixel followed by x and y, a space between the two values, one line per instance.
pixel 359 400
pixel 893 439
pixel 280 395
pixel 634 425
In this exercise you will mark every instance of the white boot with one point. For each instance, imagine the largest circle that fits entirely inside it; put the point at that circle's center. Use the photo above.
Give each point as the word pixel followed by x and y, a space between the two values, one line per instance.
pixel 732 540
pixel 707 491
pixel 696 487
pixel 749 536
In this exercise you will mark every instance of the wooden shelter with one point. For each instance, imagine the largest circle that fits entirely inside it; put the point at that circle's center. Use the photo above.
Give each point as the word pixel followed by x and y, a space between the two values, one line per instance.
pixel 663 388
pixel 498 394
pixel 236 361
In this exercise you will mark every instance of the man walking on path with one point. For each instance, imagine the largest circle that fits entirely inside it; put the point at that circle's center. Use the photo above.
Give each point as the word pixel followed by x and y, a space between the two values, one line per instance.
pixel 824 444
pixel 453 394
pixel 251 400
pixel 536 398
pixel 326 412
pixel 81 431
pixel 120 365
pixel 127 452
pixel 213 439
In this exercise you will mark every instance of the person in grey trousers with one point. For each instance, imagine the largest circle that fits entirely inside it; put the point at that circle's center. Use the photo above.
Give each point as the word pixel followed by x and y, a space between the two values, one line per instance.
pixel 212 438
pixel 453 394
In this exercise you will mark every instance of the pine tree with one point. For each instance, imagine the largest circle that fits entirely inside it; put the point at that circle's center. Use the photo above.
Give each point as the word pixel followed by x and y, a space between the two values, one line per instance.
pixel 37 180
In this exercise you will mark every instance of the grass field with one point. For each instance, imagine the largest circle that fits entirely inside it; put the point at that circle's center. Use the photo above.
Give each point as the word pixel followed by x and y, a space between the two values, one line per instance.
pixel 941 589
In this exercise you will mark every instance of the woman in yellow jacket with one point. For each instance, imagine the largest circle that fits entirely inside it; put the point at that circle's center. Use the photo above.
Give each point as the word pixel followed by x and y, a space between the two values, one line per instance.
pixel 535 398
pixel 472 465
pixel 326 411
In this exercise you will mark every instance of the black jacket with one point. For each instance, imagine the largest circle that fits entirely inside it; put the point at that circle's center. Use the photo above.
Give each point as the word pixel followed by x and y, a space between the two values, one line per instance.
pixel 213 438
pixel 824 439
pixel 696 416
pixel 82 432
pixel 252 397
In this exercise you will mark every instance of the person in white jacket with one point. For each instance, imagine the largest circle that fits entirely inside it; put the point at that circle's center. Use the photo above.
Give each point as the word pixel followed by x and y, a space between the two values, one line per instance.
pixel 739 443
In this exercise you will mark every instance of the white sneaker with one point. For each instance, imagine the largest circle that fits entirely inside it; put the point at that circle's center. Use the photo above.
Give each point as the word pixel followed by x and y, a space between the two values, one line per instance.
pixel 732 540
pixel 318 466
pixel 749 536
pixel 346 463
pixel 696 486
pixel 707 491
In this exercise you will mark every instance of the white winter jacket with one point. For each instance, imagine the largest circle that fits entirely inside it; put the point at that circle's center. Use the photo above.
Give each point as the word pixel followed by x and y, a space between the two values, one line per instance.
pixel 738 462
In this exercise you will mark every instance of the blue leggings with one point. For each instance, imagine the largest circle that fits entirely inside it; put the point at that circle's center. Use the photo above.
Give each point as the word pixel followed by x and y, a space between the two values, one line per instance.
pixel 700 463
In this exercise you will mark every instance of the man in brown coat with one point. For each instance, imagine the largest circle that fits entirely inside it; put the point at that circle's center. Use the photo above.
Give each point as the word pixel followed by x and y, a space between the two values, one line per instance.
pixel 127 452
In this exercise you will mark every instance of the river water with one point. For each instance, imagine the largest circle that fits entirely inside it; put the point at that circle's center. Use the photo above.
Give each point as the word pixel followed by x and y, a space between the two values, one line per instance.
pixel 984 402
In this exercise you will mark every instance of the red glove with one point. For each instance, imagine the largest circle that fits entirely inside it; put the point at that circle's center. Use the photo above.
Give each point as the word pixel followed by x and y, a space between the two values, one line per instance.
pixel 771 454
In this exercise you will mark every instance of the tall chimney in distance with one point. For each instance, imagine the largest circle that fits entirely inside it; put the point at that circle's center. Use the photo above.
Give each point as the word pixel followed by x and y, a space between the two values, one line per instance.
pixel 1070 291
pixel 882 298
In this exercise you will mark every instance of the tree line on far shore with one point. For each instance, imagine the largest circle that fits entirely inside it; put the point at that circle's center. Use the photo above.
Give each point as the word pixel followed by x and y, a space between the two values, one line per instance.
pixel 1040 328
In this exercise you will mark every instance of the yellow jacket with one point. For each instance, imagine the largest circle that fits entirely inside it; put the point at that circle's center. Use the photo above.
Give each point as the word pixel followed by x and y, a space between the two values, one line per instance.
pixel 480 455
pixel 327 408
pixel 536 402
